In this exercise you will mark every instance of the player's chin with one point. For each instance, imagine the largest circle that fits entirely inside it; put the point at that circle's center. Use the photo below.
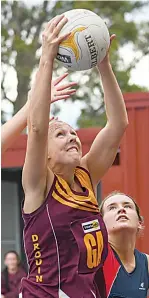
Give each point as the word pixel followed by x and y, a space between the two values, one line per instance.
pixel 124 226
pixel 123 223
pixel 75 154
pixel 75 159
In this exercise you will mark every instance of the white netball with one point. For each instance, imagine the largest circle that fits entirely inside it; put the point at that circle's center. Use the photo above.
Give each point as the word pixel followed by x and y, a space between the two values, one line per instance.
pixel 88 43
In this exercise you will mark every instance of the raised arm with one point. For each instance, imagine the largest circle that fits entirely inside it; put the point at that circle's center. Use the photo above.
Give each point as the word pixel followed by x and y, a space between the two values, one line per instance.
pixel 35 167
pixel 12 128
pixel 105 146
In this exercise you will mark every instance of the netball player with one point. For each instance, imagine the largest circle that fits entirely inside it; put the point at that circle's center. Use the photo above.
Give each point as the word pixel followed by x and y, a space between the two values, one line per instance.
pixel 12 128
pixel 64 235
pixel 126 270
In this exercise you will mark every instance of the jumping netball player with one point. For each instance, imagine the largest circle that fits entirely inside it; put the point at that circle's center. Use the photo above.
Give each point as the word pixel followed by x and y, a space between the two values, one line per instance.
pixel 126 270
pixel 12 128
pixel 64 235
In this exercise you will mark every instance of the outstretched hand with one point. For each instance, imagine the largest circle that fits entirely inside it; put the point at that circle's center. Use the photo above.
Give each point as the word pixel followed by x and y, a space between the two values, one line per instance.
pixel 106 58
pixel 51 38
pixel 59 92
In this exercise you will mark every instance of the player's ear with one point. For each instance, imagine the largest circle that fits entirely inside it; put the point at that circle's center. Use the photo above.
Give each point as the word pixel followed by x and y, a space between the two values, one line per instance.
pixel 140 227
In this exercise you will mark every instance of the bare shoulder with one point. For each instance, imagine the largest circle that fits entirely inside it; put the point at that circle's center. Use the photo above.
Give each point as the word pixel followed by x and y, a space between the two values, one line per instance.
pixel 83 164
pixel 34 199
pixel 50 180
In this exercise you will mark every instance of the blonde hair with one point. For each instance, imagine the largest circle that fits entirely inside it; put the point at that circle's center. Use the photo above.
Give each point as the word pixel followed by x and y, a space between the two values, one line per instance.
pixel 54 123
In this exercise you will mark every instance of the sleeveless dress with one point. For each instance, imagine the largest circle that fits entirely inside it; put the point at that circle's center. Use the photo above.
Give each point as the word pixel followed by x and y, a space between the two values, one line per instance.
pixel 66 242
pixel 121 284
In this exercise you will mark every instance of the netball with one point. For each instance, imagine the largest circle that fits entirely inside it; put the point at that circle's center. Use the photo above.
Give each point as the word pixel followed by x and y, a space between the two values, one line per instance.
pixel 88 42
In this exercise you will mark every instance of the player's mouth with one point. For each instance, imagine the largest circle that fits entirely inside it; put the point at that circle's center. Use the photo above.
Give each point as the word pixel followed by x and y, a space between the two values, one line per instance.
pixel 73 149
pixel 122 217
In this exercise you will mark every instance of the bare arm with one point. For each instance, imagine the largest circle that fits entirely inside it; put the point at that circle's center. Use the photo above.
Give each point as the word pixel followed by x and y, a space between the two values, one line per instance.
pixel 35 167
pixel 34 182
pixel 105 146
pixel 12 129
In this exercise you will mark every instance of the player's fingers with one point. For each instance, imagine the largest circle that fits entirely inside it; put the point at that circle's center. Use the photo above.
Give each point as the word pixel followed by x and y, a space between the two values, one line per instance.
pixel 112 37
pixel 69 91
pixel 47 25
pixel 60 25
pixel 60 97
pixel 59 79
pixel 65 86
pixel 55 22
pixel 63 37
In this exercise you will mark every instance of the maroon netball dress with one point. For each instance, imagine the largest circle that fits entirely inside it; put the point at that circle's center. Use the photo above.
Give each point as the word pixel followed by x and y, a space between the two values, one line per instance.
pixel 65 242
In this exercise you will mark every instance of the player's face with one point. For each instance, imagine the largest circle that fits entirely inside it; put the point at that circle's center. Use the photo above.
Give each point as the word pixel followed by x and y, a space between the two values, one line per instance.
pixel 64 146
pixel 11 261
pixel 119 214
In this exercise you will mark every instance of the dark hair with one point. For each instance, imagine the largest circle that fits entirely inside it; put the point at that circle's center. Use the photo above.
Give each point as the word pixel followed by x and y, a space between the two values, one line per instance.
pixel 112 194
pixel 5 271
pixel 13 252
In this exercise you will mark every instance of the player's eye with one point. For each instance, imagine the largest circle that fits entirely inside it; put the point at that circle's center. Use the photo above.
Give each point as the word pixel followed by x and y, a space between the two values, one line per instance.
pixel 60 134
pixel 127 206
pixel 73 133
pixel 112 207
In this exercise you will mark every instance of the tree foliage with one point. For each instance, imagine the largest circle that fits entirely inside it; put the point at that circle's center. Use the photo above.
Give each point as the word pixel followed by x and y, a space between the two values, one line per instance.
pixel 21 28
